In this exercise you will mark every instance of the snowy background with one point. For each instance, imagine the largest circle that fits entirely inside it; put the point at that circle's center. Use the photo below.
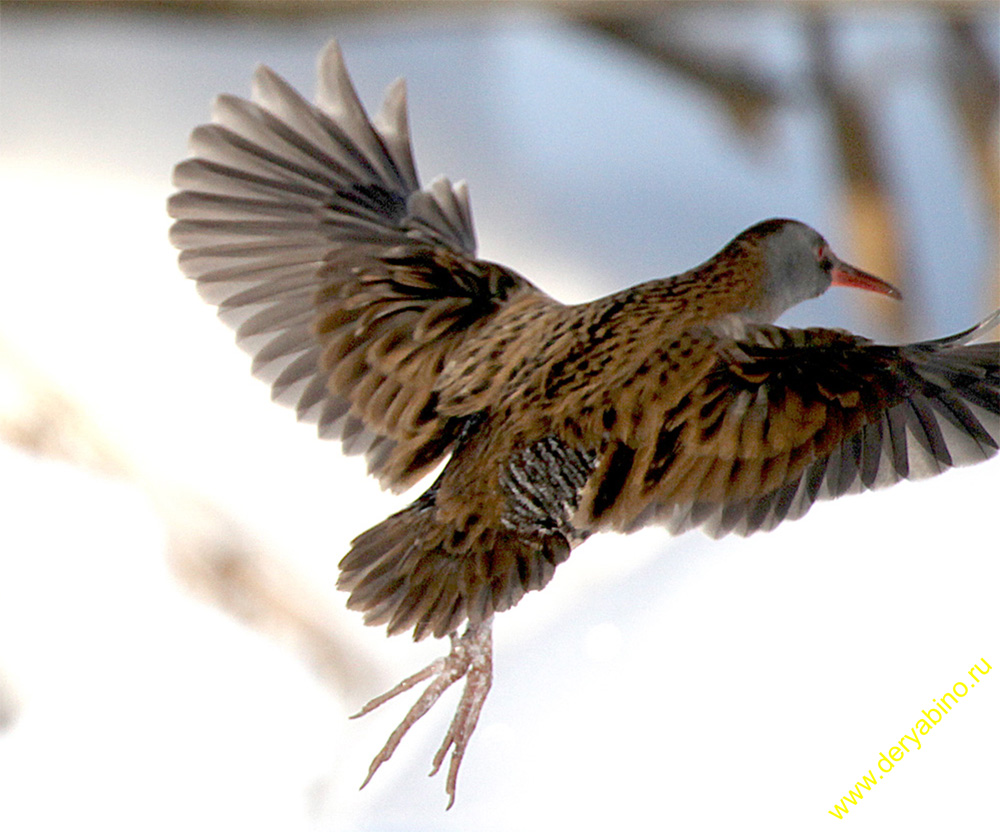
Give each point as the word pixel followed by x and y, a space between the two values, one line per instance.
pixel 657 682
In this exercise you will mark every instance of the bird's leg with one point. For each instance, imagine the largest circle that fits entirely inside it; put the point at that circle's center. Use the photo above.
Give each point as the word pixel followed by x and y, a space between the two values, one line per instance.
pixel 472 657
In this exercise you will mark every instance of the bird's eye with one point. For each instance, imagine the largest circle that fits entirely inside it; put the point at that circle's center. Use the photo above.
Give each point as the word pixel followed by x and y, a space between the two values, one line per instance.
pixel 824 258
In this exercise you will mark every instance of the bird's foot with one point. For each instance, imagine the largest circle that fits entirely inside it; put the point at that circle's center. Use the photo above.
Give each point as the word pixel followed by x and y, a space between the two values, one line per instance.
pixel 472 657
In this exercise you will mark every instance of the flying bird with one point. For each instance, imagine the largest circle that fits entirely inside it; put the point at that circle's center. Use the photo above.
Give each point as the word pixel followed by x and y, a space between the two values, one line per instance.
pixel 676 402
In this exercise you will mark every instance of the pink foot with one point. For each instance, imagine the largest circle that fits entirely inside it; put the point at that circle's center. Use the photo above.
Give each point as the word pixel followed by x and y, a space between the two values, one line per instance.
pixel 471 656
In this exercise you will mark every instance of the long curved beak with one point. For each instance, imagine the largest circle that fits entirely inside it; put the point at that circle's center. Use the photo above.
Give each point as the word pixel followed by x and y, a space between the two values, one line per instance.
pixel 844 275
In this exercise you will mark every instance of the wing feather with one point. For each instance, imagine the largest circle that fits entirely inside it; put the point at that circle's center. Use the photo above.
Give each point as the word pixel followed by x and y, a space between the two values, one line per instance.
pixel 783 418
pixel 350 285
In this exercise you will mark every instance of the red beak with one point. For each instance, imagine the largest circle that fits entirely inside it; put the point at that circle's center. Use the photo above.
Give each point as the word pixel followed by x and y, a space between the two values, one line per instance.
pixel 845 275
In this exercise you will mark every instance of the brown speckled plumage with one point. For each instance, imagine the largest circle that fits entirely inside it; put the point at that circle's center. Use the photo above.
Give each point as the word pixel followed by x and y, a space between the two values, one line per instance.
pixel 674 402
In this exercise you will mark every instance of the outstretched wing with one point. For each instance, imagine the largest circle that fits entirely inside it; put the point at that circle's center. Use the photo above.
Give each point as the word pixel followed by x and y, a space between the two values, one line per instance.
pixel 778 418
pixel 348 284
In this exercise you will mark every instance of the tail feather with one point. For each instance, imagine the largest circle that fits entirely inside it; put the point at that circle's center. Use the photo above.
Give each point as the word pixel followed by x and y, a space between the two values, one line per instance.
pixel 413 570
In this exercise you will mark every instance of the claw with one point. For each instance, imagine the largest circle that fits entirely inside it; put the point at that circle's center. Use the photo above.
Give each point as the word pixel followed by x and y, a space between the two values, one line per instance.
pixel 471 656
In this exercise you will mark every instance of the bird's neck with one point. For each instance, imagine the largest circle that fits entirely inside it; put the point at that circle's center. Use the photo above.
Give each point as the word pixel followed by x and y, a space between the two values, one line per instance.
pixel 727 286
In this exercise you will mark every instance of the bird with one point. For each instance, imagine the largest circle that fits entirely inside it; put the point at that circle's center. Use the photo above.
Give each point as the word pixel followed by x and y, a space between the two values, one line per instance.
pixel 677 402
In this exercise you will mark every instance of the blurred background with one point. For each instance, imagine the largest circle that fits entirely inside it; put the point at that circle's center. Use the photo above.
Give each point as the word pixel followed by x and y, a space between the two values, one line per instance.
pixel 172 651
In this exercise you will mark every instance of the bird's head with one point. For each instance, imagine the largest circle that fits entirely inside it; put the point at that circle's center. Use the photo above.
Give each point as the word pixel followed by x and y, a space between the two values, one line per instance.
pixel 797 264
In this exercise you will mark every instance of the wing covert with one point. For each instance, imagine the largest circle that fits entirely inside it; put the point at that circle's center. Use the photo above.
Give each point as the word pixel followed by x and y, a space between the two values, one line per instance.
pixel 782 418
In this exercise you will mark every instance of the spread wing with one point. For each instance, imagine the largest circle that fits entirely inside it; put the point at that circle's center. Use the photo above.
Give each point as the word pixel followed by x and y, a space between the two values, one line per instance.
pixel 777 419
pixel 349 284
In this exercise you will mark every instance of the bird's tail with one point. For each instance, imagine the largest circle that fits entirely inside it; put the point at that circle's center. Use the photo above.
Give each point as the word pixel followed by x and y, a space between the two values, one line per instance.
pixel 417 570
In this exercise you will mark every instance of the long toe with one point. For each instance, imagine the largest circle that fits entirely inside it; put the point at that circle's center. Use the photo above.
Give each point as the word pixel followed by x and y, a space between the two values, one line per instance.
pixel 471 656
pixel 432 669
pixel 477 687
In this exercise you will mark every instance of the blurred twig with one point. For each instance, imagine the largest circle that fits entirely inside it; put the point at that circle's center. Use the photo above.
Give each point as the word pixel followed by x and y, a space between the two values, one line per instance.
pixel 869 212
pixel 9 705
pixel 747 95
pixel 208 551
pixel 974 81
pixel 212 555
pixel 37 418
